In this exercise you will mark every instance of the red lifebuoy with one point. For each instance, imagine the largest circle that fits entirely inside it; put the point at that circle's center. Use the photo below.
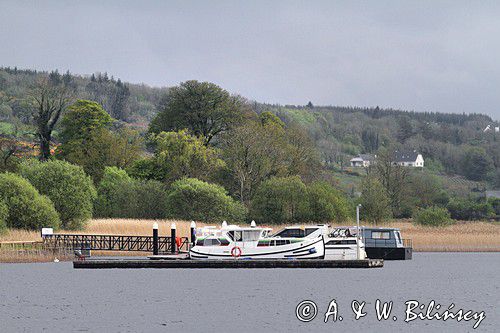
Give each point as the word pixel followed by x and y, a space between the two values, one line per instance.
pixel 236 252
pixel 178 242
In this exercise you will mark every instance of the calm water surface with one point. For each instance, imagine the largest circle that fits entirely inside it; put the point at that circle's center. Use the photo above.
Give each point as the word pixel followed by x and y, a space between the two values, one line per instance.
pixel 54 297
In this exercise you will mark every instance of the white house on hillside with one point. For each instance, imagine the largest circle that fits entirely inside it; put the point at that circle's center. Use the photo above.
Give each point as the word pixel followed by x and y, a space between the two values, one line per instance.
pixel 410 159
pixel 402 158
pixel 362 160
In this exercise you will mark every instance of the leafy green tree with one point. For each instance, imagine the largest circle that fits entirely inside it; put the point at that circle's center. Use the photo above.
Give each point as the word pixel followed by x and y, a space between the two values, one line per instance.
pixel 144 168
pixel 432 216
pixel 27 209
pixel 193 199
pixel 88 142
pixel 327 203
pixel 301 157
pixel 4 213
pixel 253 153
pixel 426 190
pixel 280 200
pixel 495 205
pixel 405 130
pixel 476 164
pixel 67 186
pixel 151 199
pixel 260 150
pixel 269 118
pixel 82 122
pixel 122 196
pixel 374 201
pixel 470 209
pixel 116 195
pixel 497 178
pixel 370 139
pixel 178 155
pixel 204 108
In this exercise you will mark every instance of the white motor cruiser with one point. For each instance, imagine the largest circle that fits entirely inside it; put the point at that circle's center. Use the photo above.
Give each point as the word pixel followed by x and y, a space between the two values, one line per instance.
pixel 232 241
pixel 341 243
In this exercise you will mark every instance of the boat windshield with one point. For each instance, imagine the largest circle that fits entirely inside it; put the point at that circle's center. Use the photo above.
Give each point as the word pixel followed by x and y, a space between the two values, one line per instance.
pixel 244 235
pixel 295 232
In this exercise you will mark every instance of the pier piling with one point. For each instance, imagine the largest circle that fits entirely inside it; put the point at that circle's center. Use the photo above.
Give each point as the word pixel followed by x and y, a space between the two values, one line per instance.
pixel 173 238
pixel 193 235
pixel 155 239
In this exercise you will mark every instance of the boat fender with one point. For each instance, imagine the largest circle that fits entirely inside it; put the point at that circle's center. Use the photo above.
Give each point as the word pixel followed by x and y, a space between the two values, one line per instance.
pixel 236 252
pixel 178 242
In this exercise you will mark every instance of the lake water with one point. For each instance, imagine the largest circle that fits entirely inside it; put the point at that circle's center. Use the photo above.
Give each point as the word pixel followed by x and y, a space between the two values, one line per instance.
pixel 54 297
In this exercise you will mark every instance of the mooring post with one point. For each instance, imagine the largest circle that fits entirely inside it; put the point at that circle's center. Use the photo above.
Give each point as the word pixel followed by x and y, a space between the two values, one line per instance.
pixel 358 231
pixel 172 238
pixel 155 239
pixel 193 234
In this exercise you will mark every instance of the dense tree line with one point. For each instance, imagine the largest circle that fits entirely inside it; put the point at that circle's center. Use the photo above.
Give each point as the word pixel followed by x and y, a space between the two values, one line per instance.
pixel 136 103
pixel 211 155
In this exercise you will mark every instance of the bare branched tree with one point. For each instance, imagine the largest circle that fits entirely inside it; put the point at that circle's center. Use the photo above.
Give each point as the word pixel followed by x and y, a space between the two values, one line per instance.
pixel 50 100
pixel 394 178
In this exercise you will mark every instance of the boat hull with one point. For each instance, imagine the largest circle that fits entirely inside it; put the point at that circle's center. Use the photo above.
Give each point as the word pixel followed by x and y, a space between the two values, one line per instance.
pixel 389 253
pixel 347 253
pixel 307 249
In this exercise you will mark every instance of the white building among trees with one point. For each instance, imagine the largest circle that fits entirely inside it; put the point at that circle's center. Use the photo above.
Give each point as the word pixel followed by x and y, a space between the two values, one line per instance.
pixel 402 158
pixel 362 160
pixel 409 159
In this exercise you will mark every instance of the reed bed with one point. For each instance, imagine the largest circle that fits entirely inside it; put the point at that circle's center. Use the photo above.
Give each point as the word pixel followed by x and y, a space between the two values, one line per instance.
pixel 460 237
pixel 32 252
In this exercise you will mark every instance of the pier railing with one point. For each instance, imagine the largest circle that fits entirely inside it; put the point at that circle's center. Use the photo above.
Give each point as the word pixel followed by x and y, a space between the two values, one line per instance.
pixel 115 242
pixel 370 242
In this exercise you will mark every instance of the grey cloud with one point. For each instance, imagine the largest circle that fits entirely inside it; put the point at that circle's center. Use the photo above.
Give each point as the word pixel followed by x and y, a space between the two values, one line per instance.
pixel 415 55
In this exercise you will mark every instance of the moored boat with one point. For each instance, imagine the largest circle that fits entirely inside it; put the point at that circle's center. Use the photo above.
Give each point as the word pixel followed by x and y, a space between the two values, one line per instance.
pixel 234 242
pixel 341 243
pixel 386 243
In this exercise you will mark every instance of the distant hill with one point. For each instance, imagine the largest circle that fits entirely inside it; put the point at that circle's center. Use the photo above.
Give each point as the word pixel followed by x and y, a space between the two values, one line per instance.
pixel 451 144
pixel 132 103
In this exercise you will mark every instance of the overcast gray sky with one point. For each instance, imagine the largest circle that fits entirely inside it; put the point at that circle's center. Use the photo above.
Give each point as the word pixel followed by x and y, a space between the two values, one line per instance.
pixel 415 55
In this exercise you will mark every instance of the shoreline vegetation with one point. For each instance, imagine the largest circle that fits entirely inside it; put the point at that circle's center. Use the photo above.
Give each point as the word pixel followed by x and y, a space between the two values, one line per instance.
pixel 21 245
pixel 206 154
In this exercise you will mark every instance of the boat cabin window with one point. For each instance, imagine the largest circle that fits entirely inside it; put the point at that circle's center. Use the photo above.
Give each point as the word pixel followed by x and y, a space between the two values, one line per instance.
pixel 251 235
pixel 277 242
pixel 398 236
pixel 291 233
pixel 244 235
pixel 341 242
pixel 295 232
pixel 310 231
pixel 211 242
pixel 381 234
pixel 235 235
pixel 266 233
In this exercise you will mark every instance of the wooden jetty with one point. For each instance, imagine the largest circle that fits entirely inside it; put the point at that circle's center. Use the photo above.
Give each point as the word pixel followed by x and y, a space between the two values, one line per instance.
pixel 236 263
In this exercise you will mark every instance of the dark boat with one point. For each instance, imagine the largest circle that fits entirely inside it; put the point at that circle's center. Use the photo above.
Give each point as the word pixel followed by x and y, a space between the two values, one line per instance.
pixel 386 243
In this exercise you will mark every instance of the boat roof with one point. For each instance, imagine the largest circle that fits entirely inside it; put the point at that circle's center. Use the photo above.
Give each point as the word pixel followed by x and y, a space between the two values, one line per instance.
pixel 306 226
pixel 362 227
pixel 233 227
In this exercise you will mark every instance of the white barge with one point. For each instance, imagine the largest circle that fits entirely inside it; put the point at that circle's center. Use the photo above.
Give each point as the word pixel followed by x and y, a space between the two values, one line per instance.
pixel 232 241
